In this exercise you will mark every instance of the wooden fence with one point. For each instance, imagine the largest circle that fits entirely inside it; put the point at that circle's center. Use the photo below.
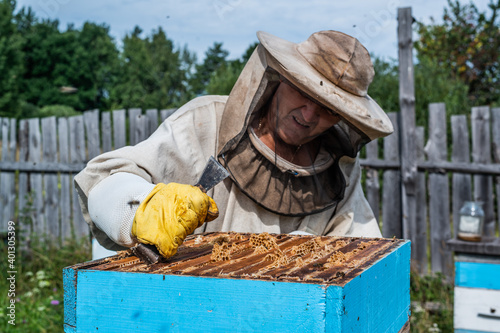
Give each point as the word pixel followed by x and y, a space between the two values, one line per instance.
pixel 40 156
pixel 446 178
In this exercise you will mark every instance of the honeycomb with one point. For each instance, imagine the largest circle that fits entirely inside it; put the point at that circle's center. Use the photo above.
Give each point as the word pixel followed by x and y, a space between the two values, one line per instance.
pixel 292 258
pixel 263 240
pixel 222 249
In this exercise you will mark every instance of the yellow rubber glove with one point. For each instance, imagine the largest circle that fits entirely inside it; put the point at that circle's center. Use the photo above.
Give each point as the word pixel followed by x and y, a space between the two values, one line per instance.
pixel 170 213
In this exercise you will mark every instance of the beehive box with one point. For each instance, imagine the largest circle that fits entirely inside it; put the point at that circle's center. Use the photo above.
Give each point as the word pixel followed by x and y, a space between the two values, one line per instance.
pixel 477 294
pixel 231 282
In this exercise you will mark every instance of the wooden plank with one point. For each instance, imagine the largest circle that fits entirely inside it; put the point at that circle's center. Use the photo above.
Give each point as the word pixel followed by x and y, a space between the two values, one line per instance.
pixel 431 167
pixel 4 129
pixel 50 181
pixel 407 105
pixel 495 130
pixel 4 176
pixel 91 120
pixel 77 155
pixel 461 183
pixel 372 182
pixel 487 246
pixel 23 194
pixel 152 120
pixel 472 309
pixel 12 139
pixel 45 167
pixel 39 224
pixel 3 198
pixel 119 133
pixel 481 153
pixel 439 198
pixel 391 196
pixel 477 275
pixel 438 167
pixel 164 114
pixel 66 186
pixel 419 230
pixel 133 115
pixel 141 128
pixel 7 179
pixel 106 130
pixel 11 201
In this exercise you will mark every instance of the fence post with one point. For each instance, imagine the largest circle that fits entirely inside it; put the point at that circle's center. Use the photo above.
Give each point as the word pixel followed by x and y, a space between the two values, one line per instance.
pixel 66 186
pixel 495 129
pixel 106 131
pixel 134 114
pixel 77 148
pixel 152 116
pixel 407 126
pixel 7 179
pixel 419 229
pixel 372 183
pixel 391 196
pixel 481 153
pixel 119 134
pixel 34 153
pixel 439 198
pixel 461 183
pixel 91 120
pixel 23 214
pixel 50 181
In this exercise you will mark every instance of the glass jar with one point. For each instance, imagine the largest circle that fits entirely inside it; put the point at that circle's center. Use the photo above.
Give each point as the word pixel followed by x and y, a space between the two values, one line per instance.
pixel 470 227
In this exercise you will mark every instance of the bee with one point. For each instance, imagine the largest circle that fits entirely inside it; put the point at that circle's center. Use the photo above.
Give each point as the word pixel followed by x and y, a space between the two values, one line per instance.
pixel 132 203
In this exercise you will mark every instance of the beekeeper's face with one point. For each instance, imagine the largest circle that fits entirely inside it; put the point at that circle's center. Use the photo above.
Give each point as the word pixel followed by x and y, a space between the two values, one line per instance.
pixel 299 119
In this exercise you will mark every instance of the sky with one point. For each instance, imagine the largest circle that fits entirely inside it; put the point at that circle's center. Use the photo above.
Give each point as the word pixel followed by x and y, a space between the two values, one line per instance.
pixel 197 24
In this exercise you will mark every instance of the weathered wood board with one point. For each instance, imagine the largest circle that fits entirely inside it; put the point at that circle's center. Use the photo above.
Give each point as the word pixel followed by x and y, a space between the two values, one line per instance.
pixel 234 282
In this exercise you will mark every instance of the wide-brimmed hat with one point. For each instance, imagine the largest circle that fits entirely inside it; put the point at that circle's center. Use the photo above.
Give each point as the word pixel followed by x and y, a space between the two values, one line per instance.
pixel 334 69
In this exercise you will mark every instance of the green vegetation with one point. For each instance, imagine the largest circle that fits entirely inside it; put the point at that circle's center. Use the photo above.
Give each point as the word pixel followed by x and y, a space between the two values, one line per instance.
pixel 432 304
pixel 457 63
pixel 39 287
pixel 467 46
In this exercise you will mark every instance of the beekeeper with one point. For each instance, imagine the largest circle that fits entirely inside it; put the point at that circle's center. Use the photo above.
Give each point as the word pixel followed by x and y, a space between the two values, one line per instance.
pixel 288 133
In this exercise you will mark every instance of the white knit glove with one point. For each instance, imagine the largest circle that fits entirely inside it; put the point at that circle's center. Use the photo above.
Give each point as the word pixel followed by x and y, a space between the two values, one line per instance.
pixel 113 203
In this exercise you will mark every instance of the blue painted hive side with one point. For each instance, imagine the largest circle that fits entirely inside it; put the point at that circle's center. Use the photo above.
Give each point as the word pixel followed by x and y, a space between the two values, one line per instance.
pixel 374 298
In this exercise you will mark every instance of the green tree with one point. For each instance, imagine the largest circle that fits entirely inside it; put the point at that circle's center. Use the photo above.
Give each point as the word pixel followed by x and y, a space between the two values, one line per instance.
pixel 153 73
pixel 384 88
pixel 95 66
pixel 223 79
pixel 433 84
pixel 48 61
pixel 85 61
pixel 215 57
pixel 467 44
pixel 10 60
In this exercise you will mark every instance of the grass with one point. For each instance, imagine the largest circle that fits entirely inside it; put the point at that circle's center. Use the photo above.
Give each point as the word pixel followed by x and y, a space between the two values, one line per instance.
pixel 39 287
pixel 39 291
pixel 432 304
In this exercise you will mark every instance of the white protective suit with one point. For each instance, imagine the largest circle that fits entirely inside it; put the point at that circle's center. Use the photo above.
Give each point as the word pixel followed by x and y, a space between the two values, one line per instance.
pixel 264 192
